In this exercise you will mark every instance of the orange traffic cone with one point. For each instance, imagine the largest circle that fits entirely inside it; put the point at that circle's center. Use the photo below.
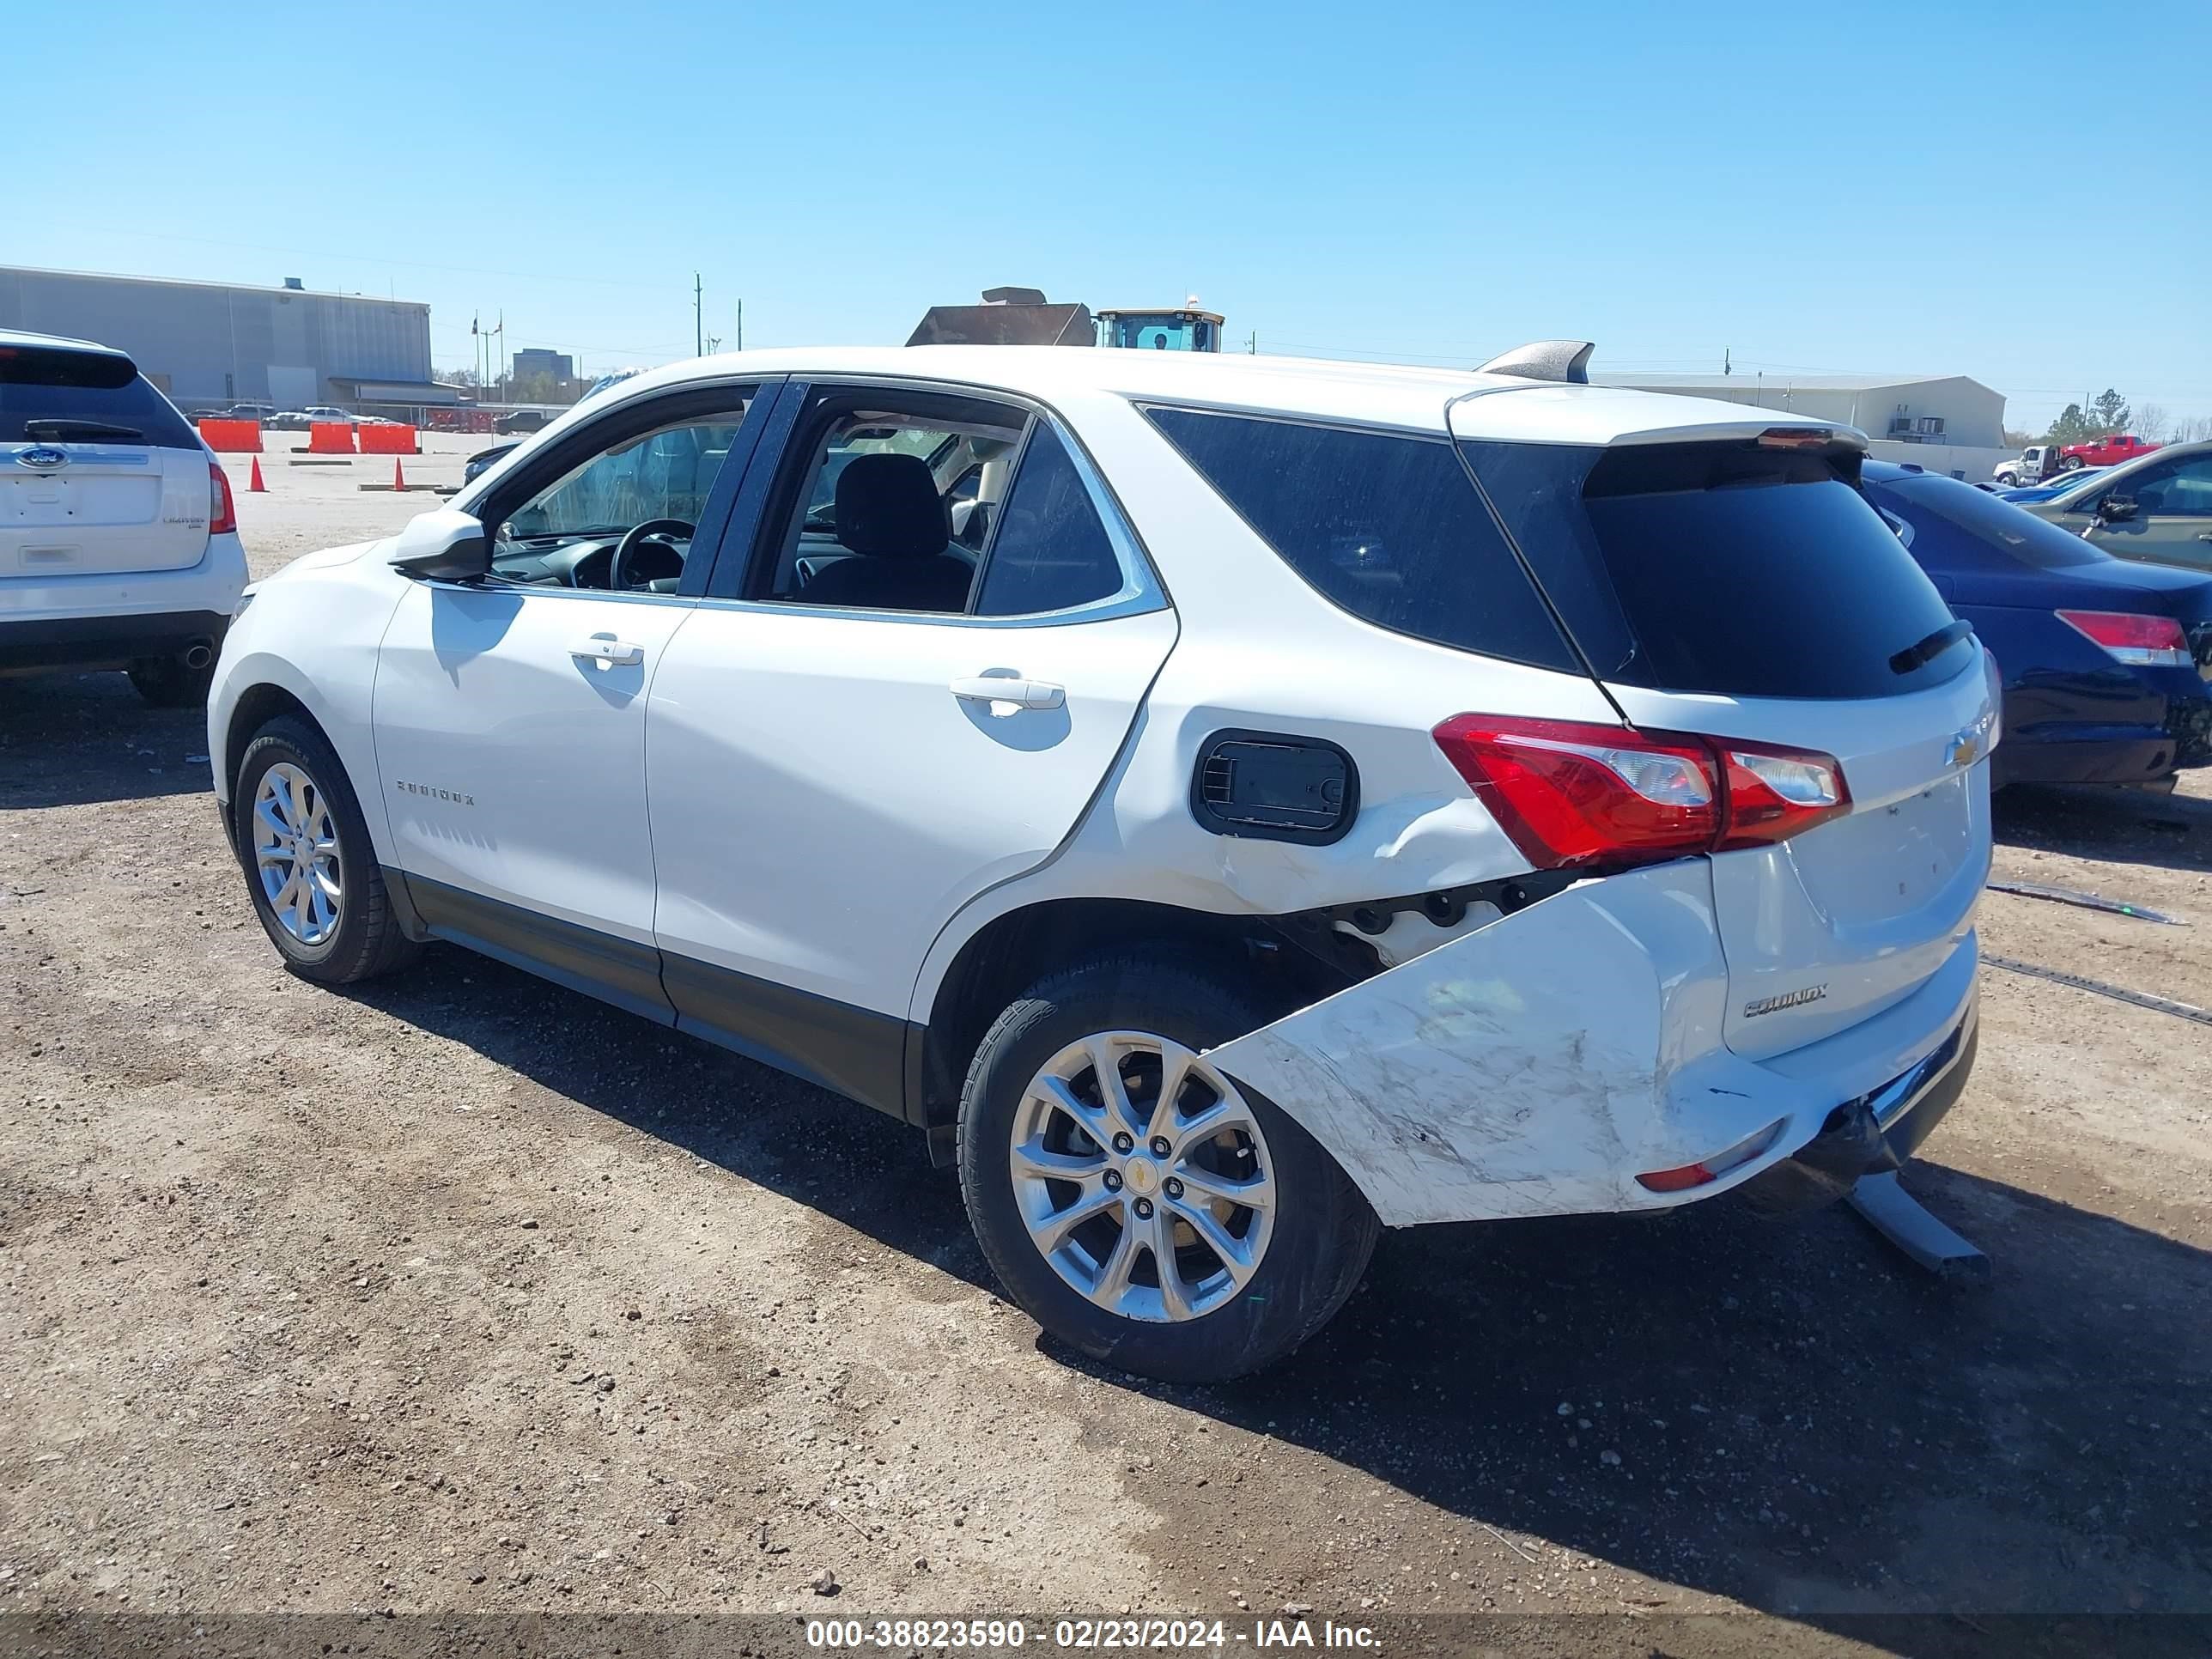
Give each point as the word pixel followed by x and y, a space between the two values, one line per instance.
pixel 399 477
pixel 254 486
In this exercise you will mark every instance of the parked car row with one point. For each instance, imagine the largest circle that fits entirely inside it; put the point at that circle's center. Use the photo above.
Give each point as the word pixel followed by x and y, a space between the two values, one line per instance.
pixel 290 420
pixel 2106 662
pixel 2040 462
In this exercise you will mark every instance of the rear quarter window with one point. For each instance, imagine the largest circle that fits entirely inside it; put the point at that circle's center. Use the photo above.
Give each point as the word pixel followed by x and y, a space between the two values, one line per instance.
pixel 1385 526
pixel 52 395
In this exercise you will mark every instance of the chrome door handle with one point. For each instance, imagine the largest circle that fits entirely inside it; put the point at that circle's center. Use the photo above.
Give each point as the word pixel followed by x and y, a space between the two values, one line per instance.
pixel 2204 536
pixel 618 653
pixel 1023 694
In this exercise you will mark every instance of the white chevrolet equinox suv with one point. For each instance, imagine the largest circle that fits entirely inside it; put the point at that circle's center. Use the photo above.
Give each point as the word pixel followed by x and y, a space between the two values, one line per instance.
pixel 118 542
pixel 1229 804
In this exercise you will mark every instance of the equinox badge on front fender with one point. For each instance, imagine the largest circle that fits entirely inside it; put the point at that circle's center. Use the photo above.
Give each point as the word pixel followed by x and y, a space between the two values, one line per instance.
pixel 1759 1005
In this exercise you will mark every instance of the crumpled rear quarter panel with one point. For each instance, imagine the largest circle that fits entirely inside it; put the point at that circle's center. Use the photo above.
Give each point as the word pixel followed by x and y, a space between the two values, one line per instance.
pixel 1536 1066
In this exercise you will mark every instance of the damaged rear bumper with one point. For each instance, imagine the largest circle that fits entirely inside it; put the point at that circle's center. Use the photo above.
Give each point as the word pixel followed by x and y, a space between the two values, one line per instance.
pixel 1538 1065
pixel 1874 1133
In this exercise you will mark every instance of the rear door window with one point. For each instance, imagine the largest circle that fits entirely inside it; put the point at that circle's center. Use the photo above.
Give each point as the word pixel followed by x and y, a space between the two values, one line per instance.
pixel 57 396
pixel 1721 567
pixel 1385 526
pixel 1052 551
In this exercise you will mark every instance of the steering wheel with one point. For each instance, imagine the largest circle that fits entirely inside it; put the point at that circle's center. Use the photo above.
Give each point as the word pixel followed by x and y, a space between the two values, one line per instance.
pixel 666 532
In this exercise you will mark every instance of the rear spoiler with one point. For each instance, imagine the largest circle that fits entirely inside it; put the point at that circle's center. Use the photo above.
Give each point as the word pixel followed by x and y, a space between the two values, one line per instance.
pixel 1624 415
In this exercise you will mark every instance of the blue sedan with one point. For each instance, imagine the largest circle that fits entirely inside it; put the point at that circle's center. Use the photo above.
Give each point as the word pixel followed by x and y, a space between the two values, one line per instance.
pixel 2057 486
pixel 2107 663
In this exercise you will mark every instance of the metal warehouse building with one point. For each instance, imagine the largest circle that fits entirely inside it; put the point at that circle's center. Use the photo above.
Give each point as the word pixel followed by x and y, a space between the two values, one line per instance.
pixel 216 343
pixel 1945 423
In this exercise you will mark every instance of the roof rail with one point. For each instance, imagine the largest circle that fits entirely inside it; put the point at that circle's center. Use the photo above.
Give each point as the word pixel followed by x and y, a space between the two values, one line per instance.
pixel 1545 360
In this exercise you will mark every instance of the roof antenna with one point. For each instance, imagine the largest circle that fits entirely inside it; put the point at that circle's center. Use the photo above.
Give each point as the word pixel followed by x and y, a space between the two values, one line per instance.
pixel 1545 360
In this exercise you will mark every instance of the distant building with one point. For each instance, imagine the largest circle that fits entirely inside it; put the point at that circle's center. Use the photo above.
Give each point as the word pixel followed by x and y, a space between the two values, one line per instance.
pixel 534 361
pixel 209 344
pixel 1945 423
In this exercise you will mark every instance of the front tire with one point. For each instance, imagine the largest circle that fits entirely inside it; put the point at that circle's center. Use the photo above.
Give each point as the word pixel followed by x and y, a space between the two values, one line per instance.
pixel 1137 1203
pixel 310 867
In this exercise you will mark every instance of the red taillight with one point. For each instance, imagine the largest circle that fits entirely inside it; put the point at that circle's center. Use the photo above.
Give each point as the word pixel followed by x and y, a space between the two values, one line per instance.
pixel 2139 641
pixel 1775 793
pixel 1708 1170
pixel 222 512
pixel 1573 793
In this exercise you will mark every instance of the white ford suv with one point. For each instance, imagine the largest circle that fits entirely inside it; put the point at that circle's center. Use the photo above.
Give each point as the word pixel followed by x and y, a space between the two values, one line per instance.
pixel 119 542
pixel 1228 805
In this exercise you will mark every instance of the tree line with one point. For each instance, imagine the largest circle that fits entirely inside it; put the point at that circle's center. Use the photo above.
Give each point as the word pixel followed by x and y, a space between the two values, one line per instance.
pixel 2108 413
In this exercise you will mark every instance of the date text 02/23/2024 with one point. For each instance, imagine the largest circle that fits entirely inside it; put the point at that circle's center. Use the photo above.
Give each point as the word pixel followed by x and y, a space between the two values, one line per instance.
pixel 1141 1635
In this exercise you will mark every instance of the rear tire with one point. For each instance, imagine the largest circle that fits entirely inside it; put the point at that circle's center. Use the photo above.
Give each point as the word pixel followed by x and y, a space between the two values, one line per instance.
pixel 311 869
pixel 1298 1253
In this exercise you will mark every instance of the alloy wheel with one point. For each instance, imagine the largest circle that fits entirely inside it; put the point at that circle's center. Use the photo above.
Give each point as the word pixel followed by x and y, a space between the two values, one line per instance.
pixel 295 854
pixel 1142 1177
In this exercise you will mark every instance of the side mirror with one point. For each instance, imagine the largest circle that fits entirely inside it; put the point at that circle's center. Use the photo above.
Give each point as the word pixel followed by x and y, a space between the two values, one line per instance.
pixel 444 544
pixel 2118 509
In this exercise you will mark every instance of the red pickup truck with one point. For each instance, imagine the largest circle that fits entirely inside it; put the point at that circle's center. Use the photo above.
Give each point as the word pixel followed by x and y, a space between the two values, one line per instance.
pixel 2103 451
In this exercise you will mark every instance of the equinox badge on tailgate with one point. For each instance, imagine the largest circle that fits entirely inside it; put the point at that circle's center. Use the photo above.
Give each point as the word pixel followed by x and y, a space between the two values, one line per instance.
pixel 1759 1005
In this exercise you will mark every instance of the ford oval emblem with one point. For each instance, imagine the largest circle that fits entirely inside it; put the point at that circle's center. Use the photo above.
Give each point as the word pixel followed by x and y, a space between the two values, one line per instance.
pixel 44 457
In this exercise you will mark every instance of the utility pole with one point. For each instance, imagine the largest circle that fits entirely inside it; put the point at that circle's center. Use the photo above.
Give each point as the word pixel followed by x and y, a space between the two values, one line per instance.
pixel 1727 369
pixel 1252 344
pixel 698 321
pixel 741 325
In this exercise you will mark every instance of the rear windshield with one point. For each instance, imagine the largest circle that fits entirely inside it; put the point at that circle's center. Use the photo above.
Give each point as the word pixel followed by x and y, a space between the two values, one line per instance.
pixel 2007 530
pixel 1721 567
pixel 49 396
pixel 1387 527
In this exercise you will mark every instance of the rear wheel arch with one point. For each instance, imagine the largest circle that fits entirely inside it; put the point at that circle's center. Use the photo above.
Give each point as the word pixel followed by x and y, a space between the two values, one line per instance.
pixel 1012 952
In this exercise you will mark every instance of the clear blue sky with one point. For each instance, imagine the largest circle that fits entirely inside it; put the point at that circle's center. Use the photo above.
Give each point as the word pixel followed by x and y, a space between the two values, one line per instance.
pixel 1813 188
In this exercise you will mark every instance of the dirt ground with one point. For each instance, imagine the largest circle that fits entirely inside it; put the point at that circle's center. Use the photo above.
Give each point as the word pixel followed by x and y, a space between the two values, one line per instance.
pixel 464 1292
